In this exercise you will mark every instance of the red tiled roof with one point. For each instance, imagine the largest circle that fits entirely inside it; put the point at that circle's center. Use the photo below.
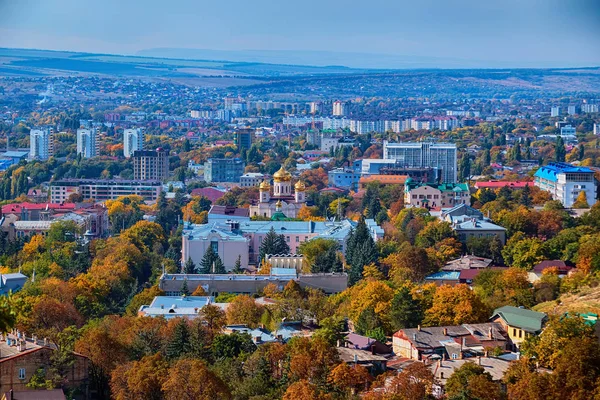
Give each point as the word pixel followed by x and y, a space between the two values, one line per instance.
pixel 210 193
pixel 562 267
pixel 17 207
pixel 499 184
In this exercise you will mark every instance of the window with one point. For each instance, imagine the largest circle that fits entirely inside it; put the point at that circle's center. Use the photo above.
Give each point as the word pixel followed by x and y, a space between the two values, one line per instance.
pixel 297 239
pixel 520 334
pixel 514 332
pixel 21 373
pixel 454 356
pixel 287 239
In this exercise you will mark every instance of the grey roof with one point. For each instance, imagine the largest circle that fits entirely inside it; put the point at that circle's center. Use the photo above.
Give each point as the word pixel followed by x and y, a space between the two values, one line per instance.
pixel 467 262
pixel 496 367
pixel 362 356
pixel 433 337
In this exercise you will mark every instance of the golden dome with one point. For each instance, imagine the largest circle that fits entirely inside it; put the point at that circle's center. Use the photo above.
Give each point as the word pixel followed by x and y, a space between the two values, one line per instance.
pixel 264 185
pixel 282 175
pixel 300 186
pixel 279 204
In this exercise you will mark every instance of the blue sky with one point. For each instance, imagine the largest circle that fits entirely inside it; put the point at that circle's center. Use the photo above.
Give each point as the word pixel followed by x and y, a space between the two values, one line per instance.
pixel 541 32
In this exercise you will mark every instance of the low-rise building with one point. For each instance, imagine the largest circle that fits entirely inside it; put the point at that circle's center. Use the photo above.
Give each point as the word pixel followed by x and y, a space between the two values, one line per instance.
pixel 565 181
pixel 251 179
pixel 176 306
pixel 104 189
pixel 467 227
pixel 435 196
pixel 11 283
pixel 519 323
pixel 453 342
pixel 382 179
pixel 345 178
pixel 228 213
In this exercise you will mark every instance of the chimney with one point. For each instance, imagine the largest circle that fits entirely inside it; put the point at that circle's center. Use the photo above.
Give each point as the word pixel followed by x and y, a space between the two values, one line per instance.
pixel 464 343
pixel 518 356
pixel 441 375
pixel 490 333
pixel 414 337
pixel 478 360
pixel 485 354
pixel 445 331
pixel 419 328
pixel 10 394
pixel 373 349
pixel 440 363
pixel 338 343
pixel 355 359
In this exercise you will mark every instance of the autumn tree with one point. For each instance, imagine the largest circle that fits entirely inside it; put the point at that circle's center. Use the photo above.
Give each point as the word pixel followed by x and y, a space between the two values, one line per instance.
pixel 349 379
pixel 243 310
pixel 141 379
pixel 581 201
pixel 455 305
pixel 190 379
pixel 470 381
pixel 302 390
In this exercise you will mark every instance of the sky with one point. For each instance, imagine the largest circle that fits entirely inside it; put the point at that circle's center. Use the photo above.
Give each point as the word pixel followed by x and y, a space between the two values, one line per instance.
pixel 493 32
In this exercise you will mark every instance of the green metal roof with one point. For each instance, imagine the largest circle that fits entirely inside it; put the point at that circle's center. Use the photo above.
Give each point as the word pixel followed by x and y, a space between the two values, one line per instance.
pixel 530 321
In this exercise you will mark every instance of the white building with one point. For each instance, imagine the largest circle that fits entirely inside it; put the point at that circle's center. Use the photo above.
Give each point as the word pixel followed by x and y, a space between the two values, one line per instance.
pixel 568 130
pixel 596 129
pixel 555 111
pixel 564 182
pixel 86 142
pixel 250 179
pixel 133 139
pixel 424 155
pixel 39 143
pixel 340 108
pixel 572 110
pixel 589 108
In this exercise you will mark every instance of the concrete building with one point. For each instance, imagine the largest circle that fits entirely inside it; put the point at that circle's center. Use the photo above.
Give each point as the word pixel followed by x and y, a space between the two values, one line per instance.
pixel 103 189
pixel 251 179
pixel 283 202
pixel 214 284
pixel 555 111
pixel 424 155
pixel 589 108
pixel 596 129
pixel 568 130
pixel 435 196
pixel 227 213
pixel 243 138
pixel 244 238
pixel 223 169
pixel 39 143
pixel 572 110
pixel 564 182
pixel 520 323
pixel 133 140
pixel 87 144
pixel 344 178
pixel 175 306
pixel 151 165
pixel 340 108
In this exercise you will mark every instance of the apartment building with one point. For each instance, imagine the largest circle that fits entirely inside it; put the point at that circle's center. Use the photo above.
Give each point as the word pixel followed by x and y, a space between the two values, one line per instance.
pixel 223 169
pixel 87 144
pixel 565 181
pixel 133 140
pixel 40 143
pixel 151 165
pixel 441 156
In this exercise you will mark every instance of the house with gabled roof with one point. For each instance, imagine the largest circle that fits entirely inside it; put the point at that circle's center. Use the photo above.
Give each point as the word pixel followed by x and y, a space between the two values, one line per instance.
pixel 519 323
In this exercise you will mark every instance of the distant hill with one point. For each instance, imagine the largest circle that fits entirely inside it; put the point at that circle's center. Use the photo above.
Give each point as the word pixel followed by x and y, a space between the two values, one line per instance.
pixel 587 300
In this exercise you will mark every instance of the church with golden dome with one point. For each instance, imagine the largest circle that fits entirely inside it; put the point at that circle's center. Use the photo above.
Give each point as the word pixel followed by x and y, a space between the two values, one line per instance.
pixel 282 201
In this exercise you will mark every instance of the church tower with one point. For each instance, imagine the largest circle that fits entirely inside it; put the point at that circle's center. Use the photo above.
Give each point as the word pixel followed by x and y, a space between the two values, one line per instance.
pixel 265 192
pixel 282 183
pixel 299 189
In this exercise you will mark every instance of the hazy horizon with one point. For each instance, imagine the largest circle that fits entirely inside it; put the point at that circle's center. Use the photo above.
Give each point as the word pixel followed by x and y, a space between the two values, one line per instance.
pixel 376 34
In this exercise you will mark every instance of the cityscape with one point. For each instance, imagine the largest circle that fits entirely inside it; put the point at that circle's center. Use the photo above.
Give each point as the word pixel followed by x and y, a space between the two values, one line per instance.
pixel 259 214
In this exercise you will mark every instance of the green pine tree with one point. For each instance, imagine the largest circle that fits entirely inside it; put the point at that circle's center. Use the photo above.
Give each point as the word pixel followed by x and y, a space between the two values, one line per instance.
pixel 189 267
pixel 207 261
pixel 179 343
pixel 237 268
pixel 184 288
pixel 560 152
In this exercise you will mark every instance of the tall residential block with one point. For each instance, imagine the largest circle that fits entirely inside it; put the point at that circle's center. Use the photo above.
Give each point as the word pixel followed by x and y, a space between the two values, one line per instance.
pixel 565 181
pixel 440 156
pixel 133 140
pixel 151 165
pixel 40 143
pixel 596 129
pixel 340 108
pixel 86 142
pixel 223 169
pixel 555 111
pixel 243 138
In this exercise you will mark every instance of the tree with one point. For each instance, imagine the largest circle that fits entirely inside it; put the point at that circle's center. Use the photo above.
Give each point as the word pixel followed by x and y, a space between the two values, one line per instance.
pixel 189 266
pixel 211 263
pixel 581 201
pixel 559 150
pixel 470 381
pixel 237 268
pixel 273 243
pixel 302 390
pixel 192 380
pixel 405 311
pixel 360 251
pixel 525 198
pixel 415 382
pixel 179 341
pixel 455 305
pixel 244 310
pixel 232 345
pixel 464 169
pixel 349 379
pixel 185 291
pixel 139 379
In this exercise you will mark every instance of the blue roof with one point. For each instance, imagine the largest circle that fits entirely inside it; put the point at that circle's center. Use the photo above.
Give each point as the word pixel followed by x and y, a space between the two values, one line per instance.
pixel 181 301
pixel 443 275
pixel 283 271
pixel 550 171
pixel 15 154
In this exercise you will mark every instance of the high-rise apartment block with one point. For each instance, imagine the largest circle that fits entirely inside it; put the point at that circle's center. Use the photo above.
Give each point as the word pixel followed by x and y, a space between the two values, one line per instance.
pixel 572 110
pixel 596 129
pixel 243 138
pixel 440 156
pixel 133 140
pixel 555 111
pixel 40 141
pixel 86 142
pixel 589 108
pixel 151 165
pixel 223 169
pixel 340 108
